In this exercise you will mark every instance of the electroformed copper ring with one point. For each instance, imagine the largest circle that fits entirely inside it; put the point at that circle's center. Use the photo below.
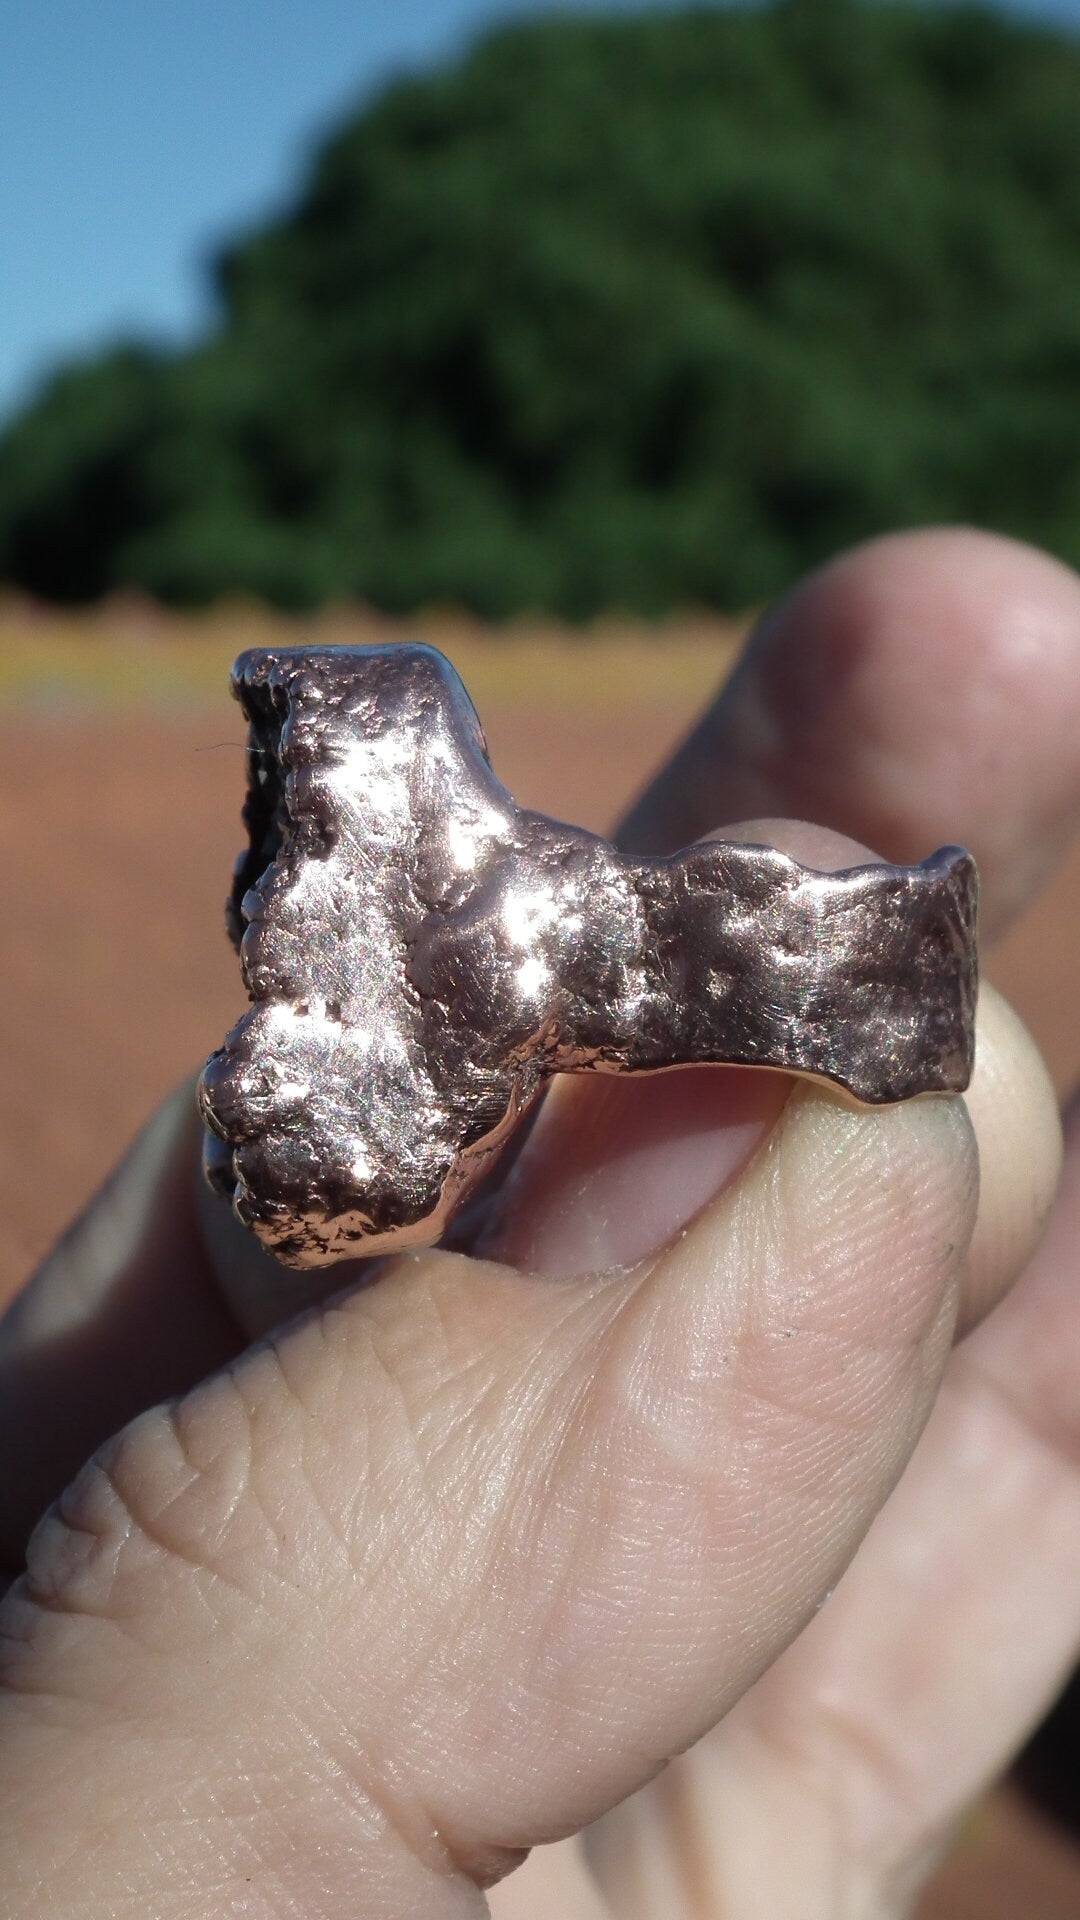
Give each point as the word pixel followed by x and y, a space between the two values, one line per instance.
pixel 422 954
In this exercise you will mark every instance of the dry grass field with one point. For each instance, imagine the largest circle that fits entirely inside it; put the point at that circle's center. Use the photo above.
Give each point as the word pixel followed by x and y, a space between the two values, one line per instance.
pixel 121 779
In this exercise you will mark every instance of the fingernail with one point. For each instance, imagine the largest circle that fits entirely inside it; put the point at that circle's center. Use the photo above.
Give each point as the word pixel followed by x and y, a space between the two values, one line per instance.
pixel 616 1166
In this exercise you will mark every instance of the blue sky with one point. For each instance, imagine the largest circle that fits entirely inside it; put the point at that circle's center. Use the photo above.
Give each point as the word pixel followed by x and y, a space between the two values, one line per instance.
pixel 136 134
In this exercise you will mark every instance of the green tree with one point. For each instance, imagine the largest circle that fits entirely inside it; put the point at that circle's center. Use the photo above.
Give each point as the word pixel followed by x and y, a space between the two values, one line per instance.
pixel 625 312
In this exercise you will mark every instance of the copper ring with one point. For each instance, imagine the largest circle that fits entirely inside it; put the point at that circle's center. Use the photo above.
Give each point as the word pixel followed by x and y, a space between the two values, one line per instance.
pixel 422 954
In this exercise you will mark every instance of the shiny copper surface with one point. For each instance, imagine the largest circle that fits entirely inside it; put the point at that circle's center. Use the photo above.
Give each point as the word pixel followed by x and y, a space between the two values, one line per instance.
pixel 422 954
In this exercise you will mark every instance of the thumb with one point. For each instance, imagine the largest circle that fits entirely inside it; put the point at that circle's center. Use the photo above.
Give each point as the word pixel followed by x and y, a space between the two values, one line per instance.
pixel 452 1564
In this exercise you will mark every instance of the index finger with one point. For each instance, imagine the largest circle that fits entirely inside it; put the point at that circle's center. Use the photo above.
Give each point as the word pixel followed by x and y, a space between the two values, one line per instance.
pixel 920 689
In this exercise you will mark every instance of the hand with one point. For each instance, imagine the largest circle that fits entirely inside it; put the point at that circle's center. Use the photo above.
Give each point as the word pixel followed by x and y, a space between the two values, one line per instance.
pixel 452 1564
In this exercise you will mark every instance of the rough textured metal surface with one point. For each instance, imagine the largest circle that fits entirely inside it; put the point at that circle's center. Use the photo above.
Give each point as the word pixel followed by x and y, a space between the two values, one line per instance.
pixel 422 953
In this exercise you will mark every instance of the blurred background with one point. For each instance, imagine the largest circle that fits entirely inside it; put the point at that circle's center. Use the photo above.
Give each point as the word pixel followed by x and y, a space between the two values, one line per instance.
pixel 564 339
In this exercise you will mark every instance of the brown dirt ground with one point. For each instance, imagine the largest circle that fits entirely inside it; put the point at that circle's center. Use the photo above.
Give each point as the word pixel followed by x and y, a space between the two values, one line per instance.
pixel 118 826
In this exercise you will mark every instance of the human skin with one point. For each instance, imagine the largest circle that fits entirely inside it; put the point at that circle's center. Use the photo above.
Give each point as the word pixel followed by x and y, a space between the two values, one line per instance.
pixel 365 1602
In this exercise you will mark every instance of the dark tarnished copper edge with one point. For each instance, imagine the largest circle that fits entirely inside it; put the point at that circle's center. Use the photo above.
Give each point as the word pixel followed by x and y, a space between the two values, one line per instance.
pixel 422 954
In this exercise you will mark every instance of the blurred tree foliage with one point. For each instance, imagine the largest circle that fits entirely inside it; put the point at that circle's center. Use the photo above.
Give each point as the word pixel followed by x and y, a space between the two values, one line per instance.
pixel 611 312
